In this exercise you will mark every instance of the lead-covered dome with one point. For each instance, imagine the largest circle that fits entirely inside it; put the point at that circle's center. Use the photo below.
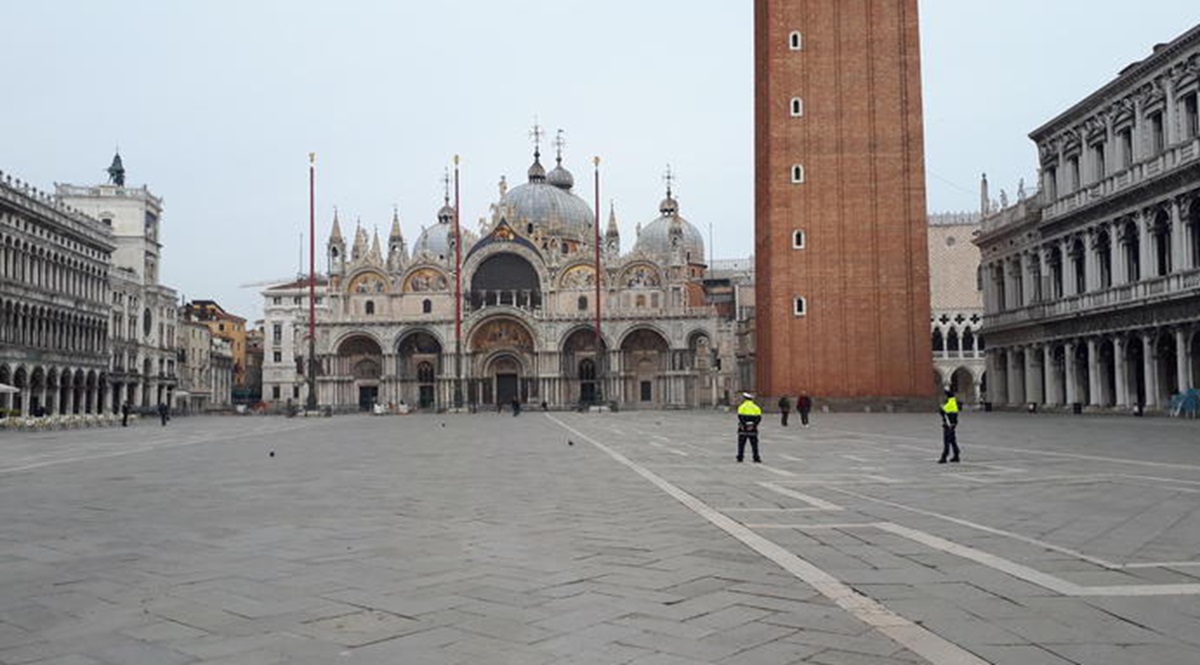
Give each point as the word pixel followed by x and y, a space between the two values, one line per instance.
pixel 548 206
pixel 655 237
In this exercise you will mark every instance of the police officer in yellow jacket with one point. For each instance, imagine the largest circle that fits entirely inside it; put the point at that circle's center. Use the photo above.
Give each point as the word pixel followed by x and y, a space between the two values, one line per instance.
pixel 949 425
pixel 749 416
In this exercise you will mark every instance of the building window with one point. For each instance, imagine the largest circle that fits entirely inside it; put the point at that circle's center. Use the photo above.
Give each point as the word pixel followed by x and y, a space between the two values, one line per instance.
pixel 370 307
pixel 1157 140
pixel 426 306
pixel 1125 136
pixel 277 356
pixel 797 239
pixel 276 300
pixel 1098 171
pixel 1073 173
pixel 274 392
pixel 295 392
pixel 1191 116
pixel 795 41
pixel 797 173
pixel 799 306
pixel 296 300
pixel 639 301
pixel 1052 182
pixel 582 304
pixel 797 107
pixel 277 333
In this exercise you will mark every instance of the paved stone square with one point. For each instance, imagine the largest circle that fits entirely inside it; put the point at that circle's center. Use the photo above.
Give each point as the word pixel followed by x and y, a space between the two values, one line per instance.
pixel 489 539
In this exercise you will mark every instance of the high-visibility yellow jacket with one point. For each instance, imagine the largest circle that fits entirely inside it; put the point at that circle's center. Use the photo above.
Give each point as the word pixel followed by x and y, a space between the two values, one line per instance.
pixel 749 415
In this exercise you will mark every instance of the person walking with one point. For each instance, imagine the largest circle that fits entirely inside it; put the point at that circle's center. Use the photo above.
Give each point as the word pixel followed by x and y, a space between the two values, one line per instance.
pixel 785 405
pixel 749 416
pixel 949 425
pixel 163 413
pixel 125 414
pixel 803 406
pixel 516 406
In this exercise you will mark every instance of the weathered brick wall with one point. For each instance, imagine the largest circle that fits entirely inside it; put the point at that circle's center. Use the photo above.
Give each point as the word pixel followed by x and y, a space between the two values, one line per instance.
pixel 864 271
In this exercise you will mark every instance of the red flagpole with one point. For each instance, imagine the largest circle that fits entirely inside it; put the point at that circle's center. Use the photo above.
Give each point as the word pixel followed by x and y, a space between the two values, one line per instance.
pixel 599 344
pixel 458 396
pixel 311 402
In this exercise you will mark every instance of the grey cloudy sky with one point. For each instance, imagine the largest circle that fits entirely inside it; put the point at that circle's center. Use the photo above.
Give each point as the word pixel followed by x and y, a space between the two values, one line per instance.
pixel 216 104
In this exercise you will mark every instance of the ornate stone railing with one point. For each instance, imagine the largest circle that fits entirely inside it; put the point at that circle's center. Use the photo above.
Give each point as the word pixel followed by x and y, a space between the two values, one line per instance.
pixel 1173 158
pixel 1158 288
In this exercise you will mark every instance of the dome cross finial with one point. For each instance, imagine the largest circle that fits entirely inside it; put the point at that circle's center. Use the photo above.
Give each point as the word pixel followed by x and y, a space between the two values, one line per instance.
pixel 669 178
pixel 446 186
pixel 536 134
pixel 560 142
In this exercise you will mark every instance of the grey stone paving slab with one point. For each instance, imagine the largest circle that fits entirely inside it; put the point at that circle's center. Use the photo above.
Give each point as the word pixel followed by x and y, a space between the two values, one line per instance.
pixel 383 540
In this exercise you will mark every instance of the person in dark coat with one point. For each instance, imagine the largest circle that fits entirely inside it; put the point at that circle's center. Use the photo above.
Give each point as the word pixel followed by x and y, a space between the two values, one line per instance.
pixel 125 414
pixel 516 407
pixel 803 406
pixel 164 413
pixel 785 405
pixel 749 416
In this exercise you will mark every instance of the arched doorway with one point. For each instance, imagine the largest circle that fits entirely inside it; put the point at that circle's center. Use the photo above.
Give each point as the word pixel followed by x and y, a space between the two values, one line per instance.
pixel 503 349
pixel 1166 368
pixel 583 365
pixel 1083 386
pixel 644 357
pixel 419 358
pixel 963 385
pixel 359 363
pixel 1135 370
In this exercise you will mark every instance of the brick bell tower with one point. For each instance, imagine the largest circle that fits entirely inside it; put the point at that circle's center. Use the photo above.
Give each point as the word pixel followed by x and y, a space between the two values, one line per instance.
pixel 842 274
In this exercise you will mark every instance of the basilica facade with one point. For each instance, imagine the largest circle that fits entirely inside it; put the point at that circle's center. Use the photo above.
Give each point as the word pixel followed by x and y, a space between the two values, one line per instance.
pixel 523 325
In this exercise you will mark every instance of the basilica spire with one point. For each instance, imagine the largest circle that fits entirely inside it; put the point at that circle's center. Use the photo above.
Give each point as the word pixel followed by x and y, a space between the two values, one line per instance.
pixel 612 236
pixel 397 252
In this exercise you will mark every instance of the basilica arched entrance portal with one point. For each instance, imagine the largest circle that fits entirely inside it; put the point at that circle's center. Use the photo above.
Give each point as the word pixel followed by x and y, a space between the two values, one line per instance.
pixel 419 363
pixel 583 366
pixel 503 352
pixel 644 360
pixel 358 366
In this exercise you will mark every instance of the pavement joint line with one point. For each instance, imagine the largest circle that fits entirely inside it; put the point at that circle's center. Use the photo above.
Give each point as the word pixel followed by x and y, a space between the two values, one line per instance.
pixel 169 444
pixel 815 527
pixel 918 639
pixel 791 458
pixel 810 500
pixel 1032 451
pixel 987 529
pixel 779 472
pixel 770 510
pixel 1044 580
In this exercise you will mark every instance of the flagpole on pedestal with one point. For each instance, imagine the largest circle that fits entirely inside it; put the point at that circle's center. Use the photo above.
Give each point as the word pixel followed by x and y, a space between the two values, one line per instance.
pixel 310 403
pixel 458 394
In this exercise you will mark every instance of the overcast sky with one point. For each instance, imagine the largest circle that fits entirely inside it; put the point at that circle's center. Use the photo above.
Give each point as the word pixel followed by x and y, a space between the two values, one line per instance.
pixel 216 104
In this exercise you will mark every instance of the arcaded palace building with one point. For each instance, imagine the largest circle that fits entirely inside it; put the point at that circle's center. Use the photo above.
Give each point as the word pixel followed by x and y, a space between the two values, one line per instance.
pixel 842 301
pixel 54 303
pixel 956 302
pixel 528 308
pixel 1092 287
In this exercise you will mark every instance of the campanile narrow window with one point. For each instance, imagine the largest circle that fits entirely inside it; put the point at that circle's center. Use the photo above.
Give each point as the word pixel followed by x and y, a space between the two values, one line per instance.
pixel 797 107
pixel 799 306
pixel 797 173
pixel 795 41
pixel 798 239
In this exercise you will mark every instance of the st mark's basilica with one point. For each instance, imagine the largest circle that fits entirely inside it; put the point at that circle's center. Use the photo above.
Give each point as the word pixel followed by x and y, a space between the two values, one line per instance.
pixel 387 333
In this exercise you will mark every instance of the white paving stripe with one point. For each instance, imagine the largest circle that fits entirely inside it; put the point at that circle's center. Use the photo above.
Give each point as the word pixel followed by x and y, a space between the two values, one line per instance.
pixel 1008 534
pixel 917 639
pixel 810 500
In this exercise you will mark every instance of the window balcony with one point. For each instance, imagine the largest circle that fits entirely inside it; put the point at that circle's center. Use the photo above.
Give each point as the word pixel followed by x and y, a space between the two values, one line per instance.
pixel 1165 163
pixel 1157 289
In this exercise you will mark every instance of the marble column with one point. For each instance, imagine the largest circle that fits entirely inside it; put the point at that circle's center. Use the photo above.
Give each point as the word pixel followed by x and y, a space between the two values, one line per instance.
pixel 1050 376
pixel 1182 366
pixel 1093 373
pixel 1032 381
pixel 1150 370
pixel 1178 238
pixel 1120 370
pixel 1069 374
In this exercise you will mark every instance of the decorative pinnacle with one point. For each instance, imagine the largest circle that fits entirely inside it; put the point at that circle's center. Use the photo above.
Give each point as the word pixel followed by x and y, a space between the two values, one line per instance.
pixel 669 178
pixel 312 158
pixel 596 161
pixel 559 143
pixel 446 186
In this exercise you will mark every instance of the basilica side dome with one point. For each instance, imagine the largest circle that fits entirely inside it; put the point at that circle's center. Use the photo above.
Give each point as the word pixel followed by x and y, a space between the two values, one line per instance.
pixel 655 238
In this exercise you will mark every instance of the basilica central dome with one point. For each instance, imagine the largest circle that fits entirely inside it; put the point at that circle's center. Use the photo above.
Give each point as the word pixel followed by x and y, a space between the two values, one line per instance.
pixel 546 204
